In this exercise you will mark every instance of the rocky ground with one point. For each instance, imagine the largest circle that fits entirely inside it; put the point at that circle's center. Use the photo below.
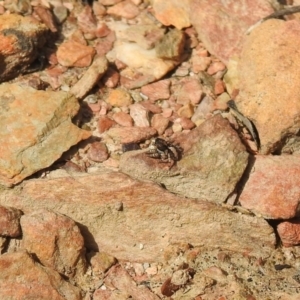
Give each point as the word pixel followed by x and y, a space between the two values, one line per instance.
pixel 93 205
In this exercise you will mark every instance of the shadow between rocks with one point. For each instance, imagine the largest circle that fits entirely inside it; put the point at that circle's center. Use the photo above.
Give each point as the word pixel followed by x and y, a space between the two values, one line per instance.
pixel 241 184
pixel 89 240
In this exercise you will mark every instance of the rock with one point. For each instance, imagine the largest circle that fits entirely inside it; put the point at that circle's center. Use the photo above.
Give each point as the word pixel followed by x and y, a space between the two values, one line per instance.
pixel 109 295
pixel 141 61
pixel 90 77
pixel 272 189
pixel 105 123
pixel 172 12
pixel 219 87
pixel 160 123
pixel 120 279
pixel 216 67
pixel 111 78
pixel 213 161
pixel 151 216
pixel 55 240
pixel 101 262
pixel 140 115
pixel 123 119
pixel 109 2
pixel 272 103
pixel 221 26
pixel 125 9
pixel 10 222
pixel 186 111
pixel 22 39
pixel 189 90
pixel 34 132
pixel 119 97
pixel 98 152
pixel 74 54
pixel 47 17
pixel 289 232
pixel 131 135
pixel 23 278
pixel 171 46
pixel 199 63
pixel 145 35
pixel 157 91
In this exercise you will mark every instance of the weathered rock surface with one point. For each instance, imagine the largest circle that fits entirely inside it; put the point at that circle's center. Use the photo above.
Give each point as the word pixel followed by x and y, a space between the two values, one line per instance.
pixel 213 161
pixel 268 82
pixel 23 278
pixel 21 41
pixel 272 189
pixel 118 214
pixel 221 26
pixel 172 12
pixel 119 278
pixel 34 125
pixel 289 232
pixel 55 240
pixel 10 221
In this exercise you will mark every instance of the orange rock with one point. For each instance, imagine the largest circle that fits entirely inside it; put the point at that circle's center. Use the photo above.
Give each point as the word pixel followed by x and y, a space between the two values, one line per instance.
pixel 125 9
pixel 74 54
pixel 289 232
pixel 123 119
pixel 104 124
pixel 119 97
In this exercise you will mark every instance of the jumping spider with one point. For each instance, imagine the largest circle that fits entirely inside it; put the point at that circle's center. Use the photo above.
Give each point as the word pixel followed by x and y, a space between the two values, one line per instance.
pixel 165 151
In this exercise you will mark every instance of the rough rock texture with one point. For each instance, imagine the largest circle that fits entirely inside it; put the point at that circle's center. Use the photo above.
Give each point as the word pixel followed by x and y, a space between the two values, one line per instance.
pixel 23 278
pixel 213 161
pixel 273 187
pixel 289 232
pixel 38 138
pixel 10 221
pixel 269 84
pixel 55 240
pixel 21 41
pixel 221 25
pixel 121 214
pixel 172 12
pixel 120 279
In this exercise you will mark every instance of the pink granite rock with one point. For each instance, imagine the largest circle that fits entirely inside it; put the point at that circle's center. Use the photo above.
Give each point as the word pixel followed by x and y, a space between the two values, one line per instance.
pixel 157 91
pixel 104 123
pixel 221 26
pixel 49 235
pixel 273 187
pixel 119 97
pixel 189 90
pixel 289 232
pixel 10 222
pixel 160 123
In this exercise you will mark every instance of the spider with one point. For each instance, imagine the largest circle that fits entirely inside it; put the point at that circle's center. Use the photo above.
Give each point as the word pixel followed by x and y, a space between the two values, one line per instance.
pixel 165 151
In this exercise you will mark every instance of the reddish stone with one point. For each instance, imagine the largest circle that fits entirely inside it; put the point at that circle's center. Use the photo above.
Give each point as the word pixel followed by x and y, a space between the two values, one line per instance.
pixel 186 123
pixel 189 91
pixel 105 123
pixel 111 78
pixel 125 9
pixel 87 21
pixel 105 44
pixel 289 232
pixel 98 152
pixel 216 67
pixel 123 119
pixel 155 109
pixel 49 235
pixel 219 87
pixel 140 115
pixel 160 123
pixel 199 62
pixel 157 91
pixel 10 221
pixel 47 17
pixel 131 134
pixel 273 187
pixel 73 54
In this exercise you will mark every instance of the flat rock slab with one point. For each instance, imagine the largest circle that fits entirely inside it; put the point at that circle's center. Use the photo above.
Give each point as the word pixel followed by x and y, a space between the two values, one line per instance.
pixel 273 187
pixel 213 162
pixel 221 25
pixel 134 220
pixel 268 75
pixel 34 126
